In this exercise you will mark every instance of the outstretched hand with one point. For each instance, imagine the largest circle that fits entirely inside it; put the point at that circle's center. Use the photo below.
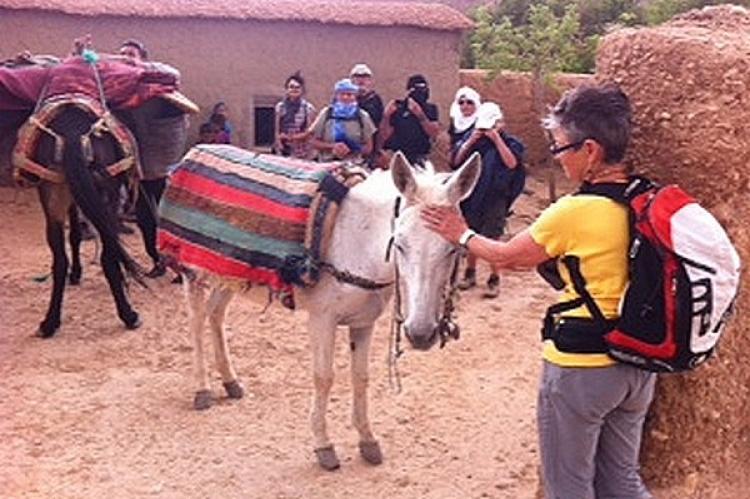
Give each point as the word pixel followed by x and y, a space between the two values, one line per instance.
pixel 445 220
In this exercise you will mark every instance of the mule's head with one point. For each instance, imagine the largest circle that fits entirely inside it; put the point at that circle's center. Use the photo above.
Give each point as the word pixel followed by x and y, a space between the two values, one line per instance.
pixel 425 260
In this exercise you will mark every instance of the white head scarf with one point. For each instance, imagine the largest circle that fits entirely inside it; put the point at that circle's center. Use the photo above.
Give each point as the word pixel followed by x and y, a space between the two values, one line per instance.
pixel 460 122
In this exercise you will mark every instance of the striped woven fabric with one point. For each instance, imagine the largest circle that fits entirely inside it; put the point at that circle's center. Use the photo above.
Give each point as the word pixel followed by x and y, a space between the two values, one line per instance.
pixel 248 216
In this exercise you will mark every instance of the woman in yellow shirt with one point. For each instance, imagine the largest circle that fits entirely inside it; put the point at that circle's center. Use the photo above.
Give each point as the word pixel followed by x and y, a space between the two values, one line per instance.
pixel 591 409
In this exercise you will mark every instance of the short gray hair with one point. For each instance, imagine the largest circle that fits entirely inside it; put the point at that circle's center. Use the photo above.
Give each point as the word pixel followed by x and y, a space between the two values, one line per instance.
pixel 598 112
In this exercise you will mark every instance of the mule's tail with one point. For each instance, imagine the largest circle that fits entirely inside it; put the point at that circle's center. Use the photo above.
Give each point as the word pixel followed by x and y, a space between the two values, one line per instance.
pixel 92 203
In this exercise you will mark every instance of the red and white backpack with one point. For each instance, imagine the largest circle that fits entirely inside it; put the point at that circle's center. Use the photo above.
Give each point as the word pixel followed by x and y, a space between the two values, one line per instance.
pixel 684 276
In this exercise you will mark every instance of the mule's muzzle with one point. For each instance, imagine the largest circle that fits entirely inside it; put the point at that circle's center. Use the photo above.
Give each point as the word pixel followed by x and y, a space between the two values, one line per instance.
pixel 422 339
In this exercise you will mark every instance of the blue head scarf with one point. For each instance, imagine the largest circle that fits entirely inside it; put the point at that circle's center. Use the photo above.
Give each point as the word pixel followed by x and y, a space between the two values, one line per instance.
pixel 342 112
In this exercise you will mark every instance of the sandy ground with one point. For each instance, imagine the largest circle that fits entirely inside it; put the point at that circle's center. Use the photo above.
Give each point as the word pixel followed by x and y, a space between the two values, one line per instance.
pixel 99 411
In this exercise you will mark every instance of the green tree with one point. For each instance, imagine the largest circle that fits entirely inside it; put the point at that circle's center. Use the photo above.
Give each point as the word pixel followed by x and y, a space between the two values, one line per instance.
pixel 511 31
pixel 545 44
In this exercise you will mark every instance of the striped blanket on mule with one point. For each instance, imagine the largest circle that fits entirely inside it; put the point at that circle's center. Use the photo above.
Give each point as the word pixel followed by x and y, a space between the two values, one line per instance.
pixel 258 218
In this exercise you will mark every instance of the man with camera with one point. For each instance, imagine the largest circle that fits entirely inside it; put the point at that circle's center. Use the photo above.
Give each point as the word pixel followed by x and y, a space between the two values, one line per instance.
pixel 410 125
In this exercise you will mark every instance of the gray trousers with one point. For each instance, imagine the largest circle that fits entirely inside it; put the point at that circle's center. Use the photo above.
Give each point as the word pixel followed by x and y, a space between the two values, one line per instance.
pixel 590 423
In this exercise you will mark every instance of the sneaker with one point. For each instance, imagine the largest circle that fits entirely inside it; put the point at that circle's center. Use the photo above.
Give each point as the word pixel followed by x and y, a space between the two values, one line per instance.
pixel 493 287
pixel 469 280
pixel 158 270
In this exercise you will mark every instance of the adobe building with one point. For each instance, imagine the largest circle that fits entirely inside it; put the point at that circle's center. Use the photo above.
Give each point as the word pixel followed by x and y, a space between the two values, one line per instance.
pixel 241 51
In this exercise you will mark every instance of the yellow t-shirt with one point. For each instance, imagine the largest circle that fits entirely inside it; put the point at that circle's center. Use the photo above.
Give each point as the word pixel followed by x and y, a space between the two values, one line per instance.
pixel 595 229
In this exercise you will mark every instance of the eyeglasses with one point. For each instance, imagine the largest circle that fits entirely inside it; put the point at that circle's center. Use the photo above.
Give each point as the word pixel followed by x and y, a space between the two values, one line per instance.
pixel 556 150
pixel 294 87
pixel 461 102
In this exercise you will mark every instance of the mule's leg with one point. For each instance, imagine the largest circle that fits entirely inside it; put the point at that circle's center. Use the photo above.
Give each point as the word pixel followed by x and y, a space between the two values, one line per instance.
pixel 145 212
pixel 56 242
pixel 115 279
pixel 75 245
pixel 217 307
pixel 359 339
pixel 322 331
pixel 196 299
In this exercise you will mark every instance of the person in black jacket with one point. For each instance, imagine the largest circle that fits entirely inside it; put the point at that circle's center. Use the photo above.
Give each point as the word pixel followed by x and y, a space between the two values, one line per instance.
pixel 410 125
pixel 500 183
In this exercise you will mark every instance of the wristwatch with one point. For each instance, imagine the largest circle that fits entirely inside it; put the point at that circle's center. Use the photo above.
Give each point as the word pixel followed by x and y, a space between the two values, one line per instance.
pixel 463 241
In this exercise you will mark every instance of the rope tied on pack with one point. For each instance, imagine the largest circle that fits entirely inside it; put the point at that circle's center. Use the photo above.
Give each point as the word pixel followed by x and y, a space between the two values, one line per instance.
pixel 27 172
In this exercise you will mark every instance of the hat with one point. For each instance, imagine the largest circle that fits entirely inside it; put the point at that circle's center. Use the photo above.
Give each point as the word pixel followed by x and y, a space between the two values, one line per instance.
pixel 345 85
pixel 415 80
pixel 360 70
pixel 487 115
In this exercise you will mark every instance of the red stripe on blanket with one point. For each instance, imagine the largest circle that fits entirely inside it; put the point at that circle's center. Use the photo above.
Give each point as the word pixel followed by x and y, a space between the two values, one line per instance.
pixel 187 253
pixel 229 195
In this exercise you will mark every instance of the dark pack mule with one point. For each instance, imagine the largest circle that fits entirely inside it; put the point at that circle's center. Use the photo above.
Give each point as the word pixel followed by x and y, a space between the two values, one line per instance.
pixel 80 175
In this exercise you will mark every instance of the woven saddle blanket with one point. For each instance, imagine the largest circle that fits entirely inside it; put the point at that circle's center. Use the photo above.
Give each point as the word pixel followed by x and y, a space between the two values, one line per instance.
pixel 259 218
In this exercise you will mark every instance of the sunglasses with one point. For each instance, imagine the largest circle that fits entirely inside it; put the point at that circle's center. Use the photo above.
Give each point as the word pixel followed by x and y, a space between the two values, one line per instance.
pixel 555 150
pixel 461 102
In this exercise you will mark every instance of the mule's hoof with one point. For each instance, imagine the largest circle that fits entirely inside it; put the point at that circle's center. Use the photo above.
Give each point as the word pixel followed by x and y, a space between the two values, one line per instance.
pixel 370 452
pixel 203 400
pixel 234 390
pixel 47 328
pixel 327 458
pixel 133 321
pixel 74 279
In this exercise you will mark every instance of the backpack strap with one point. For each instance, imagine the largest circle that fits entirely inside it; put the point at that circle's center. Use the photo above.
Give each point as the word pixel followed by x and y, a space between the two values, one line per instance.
pixel 573 264
pixel 577 335
pixel 621 193
pixel 550 318
pixel 329 116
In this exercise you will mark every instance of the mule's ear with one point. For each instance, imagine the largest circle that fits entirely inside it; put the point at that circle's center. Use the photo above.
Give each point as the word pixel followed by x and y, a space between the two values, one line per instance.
pixel 402 174
pixel 462 182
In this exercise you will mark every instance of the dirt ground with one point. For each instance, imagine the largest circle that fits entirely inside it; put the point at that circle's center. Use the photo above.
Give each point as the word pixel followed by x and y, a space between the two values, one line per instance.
pixel 99 411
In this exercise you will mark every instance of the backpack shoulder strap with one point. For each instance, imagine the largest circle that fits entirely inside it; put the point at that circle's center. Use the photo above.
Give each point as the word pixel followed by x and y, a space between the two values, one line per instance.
pixel 573 264
pixel 329 116
pixel 621 193
pixel 613 191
